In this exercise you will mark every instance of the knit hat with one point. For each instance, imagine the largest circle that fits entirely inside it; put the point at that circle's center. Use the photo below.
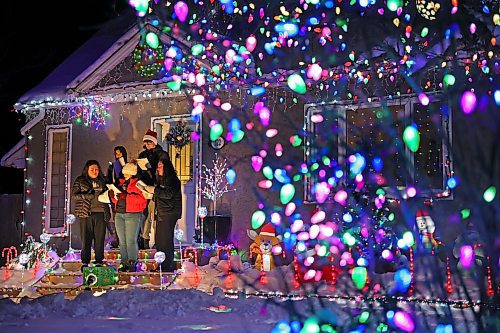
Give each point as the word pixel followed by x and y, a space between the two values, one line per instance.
pixel 130 169
pixel 151 136
pixel 268 230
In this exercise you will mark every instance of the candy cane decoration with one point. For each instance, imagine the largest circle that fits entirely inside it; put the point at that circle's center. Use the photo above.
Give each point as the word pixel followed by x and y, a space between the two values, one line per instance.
pixel 11 253
pixel 489 291
pixel 39 253
pixel 227 249
pixel 412 269
pixel 229 281
pixel 333 277
pixel 449 286
pixel 296 280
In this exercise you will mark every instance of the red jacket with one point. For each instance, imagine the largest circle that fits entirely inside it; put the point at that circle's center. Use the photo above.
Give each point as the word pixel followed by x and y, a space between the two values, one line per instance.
pixel 134 200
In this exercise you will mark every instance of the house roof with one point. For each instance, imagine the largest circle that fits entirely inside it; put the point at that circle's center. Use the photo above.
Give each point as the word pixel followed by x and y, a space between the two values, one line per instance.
pixel 15 158
pixel 55 86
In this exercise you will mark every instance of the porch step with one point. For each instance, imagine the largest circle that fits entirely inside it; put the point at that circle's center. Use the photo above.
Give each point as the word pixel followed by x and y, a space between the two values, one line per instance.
pixel 111 254
pixel 75 278
pixel 75 265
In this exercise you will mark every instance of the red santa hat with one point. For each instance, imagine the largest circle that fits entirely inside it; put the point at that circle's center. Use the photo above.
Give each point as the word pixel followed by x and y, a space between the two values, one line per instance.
pixel 151 136
pixel 421 213
pixel 268 230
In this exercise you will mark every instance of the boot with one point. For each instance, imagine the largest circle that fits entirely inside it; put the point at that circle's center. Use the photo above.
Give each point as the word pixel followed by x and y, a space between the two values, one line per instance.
pixel 123 268
pixel 140 242
pixel 132 266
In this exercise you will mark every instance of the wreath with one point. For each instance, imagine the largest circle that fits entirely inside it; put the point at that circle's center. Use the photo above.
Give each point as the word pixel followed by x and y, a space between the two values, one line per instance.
pixel 178 136
pixel 148 62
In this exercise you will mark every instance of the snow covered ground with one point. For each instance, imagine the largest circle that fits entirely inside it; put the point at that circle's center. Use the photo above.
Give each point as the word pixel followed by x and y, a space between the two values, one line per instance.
pixel 197 301
pixel 138 311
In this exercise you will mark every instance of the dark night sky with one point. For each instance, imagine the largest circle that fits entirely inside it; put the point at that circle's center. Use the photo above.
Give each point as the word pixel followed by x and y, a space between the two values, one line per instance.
pixel 37 36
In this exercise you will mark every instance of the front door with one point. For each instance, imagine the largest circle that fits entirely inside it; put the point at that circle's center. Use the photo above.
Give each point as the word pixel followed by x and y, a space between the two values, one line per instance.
pixel 184 160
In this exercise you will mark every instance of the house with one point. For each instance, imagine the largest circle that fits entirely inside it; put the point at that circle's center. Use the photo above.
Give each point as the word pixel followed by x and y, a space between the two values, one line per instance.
pixel 91 103
pixel 106 94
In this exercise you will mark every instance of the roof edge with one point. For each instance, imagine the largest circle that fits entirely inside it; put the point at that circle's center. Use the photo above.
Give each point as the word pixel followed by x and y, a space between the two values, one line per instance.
pixel 33 122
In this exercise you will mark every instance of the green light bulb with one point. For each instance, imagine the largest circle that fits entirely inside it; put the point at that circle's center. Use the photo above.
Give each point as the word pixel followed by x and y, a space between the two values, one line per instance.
pixel 490 194
pixel 411 137
pixel 268 172
pixel 286 193
pixel 449 80
pixel 237 136
pixel 296 140
pixel 197 50
pixel 152 40
pixel 258 219
pixel 297 84
pixel 393 5
pixel 310 326
pixel 216 131
pixel 174 85
pixel 359 277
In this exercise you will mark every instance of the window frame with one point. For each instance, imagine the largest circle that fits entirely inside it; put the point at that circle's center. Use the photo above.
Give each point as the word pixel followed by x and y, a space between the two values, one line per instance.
pixel 409 102
pixel 50 130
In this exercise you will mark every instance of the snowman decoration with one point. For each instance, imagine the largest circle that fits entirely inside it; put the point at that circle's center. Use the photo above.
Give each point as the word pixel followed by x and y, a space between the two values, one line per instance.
pixel 426 228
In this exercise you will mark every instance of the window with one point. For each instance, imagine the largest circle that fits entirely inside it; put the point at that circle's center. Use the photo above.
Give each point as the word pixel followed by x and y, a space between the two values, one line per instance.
pixel 57 187
pixel 376 130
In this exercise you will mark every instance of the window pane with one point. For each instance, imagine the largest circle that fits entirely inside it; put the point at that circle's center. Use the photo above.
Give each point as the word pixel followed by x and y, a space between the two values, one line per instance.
pixel 58 160
pixel 376 133
pixel 182 160
pixel 429 157
pixel 323 141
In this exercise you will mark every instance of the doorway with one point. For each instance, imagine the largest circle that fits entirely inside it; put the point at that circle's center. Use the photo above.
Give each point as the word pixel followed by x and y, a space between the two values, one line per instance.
pixel 185 161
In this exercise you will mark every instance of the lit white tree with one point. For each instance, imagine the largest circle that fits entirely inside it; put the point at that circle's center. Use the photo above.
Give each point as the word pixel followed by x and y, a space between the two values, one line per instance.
pixel 214 180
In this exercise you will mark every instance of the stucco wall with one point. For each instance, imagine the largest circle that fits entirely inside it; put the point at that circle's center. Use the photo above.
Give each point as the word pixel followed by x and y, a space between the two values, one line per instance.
pixel 129 122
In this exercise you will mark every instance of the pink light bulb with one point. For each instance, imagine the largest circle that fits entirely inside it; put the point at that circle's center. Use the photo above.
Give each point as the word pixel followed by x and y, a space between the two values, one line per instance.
pixel 290 208
pixel 265 116
pixel 296 226
pixel 319 216
pixel 181 10
pixel 278 149
pixel 265 184
pixel 403 321
pixel 340 197
pixel 466 256
pixel 251 43
pixel 322 191
pixel 257 162
pixel 468 102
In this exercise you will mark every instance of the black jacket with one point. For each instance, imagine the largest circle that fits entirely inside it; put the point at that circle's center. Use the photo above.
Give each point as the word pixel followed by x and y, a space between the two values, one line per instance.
pixel 153 155
pixel 111 177
pixel 168 196
pixel 83 193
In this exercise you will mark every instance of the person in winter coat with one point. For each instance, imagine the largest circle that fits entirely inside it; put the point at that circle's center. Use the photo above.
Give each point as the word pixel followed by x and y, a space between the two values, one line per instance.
pixel 92 214
pixel 129 205
pixel 153 152
pixel 115 169
pixel 168 200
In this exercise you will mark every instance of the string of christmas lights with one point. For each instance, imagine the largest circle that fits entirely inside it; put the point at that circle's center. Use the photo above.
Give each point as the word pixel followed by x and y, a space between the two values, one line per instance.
pixel 372 300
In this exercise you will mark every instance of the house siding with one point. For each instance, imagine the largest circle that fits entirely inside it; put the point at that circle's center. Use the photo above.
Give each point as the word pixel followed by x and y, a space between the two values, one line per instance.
pixel 129 121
